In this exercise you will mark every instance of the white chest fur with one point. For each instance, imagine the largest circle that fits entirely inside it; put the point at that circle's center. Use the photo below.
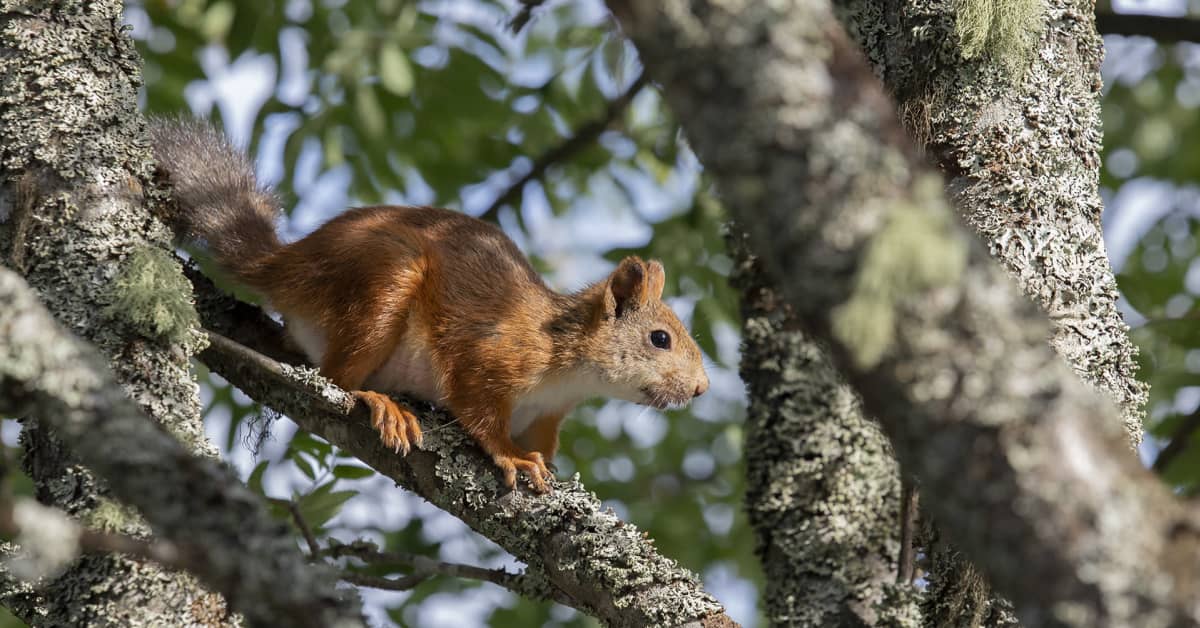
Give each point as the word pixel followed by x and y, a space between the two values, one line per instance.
pixel 557 394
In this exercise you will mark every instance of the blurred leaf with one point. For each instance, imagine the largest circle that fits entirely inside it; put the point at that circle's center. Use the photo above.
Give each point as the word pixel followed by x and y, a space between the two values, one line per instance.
pixel 394 70
pixel 322 504
pixel 350 472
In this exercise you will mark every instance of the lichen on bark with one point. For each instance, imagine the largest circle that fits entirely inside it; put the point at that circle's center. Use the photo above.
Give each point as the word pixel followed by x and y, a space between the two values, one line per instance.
pixel 823 488
pixel 73 177
pixel 1022 154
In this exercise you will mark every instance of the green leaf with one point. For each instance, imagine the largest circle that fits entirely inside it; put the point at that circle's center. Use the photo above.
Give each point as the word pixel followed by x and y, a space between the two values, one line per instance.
pixel 305 466
pixel 323 504
pixel 217 20
pixel 256 477
pixel 395 72
pixel 351 472
pixel 371 117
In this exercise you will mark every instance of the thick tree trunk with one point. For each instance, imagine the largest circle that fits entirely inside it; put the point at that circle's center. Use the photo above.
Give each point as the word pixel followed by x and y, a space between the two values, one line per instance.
pixel 73 174
pixel 1016 130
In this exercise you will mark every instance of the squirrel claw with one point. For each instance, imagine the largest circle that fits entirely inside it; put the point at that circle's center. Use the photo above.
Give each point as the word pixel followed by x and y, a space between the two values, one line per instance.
pixel 532 464
pixel 398 426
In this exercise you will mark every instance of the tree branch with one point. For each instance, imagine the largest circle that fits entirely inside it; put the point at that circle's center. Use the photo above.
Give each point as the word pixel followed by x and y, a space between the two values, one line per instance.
pixel 582 138
pixel 1179 442
pixel 576 553
pixel 1023 463
pixel 48 539
pixel 405 583
pixel 314 548
pixel 1161 28
pixel 241 551
pixel 425 567
pixel 523 15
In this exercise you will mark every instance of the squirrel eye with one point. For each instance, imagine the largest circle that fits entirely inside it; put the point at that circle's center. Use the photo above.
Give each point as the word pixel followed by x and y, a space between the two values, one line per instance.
pixel 660 339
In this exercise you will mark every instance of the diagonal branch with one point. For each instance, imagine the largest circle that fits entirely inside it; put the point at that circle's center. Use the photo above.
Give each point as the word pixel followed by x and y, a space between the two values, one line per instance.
pixel 1179 442
pixel 1022 463
pixel 241 551
pixel 576 553
pixel 582 138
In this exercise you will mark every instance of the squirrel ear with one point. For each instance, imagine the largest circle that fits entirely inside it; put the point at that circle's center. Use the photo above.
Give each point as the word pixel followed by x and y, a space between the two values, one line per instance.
pixel 656 278
pixel 626 287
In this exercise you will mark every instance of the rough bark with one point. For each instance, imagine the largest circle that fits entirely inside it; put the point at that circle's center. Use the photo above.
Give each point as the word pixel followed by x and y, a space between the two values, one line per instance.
pixel 1024 465
pixel 223 533
pixel 823 488
pixel 74 221
pixel 583 556
pixel 1017 133
pixel 1020 147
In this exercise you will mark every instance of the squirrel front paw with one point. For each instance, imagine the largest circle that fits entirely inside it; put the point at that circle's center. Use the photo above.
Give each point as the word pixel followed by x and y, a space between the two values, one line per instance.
pixel 398 427
pixel 532 464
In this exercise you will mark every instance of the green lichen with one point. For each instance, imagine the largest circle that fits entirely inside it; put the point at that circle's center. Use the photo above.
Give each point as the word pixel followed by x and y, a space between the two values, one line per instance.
pixel 1005 31
pixel 916 250
pixel 152 294
pixel 112 516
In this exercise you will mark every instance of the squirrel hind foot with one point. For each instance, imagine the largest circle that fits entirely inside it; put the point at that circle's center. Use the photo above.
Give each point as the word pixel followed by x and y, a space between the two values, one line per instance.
pixel 398 427
pixel 532 464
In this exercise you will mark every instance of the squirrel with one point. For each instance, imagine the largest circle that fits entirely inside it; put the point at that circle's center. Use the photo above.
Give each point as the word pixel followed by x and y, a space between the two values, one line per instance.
pixel 435 304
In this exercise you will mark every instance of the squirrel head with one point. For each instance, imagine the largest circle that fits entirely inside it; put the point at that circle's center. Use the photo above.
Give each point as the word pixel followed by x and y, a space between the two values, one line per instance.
pixel 641 346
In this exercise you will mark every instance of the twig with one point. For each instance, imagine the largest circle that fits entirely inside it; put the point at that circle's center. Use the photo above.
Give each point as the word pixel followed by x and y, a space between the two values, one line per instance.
pixel 580 139
pixel 908 523
pixel 1160 28
pixel 379 582
pixel 1179 442
pixel 425 566
pixel 314 549
pixel 524 15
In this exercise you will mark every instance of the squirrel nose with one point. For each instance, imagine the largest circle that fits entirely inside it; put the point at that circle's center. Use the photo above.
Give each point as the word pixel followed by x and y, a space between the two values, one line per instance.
pixel 701 387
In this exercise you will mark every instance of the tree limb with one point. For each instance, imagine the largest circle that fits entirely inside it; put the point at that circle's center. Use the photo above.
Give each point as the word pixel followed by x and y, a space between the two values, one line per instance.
pixel 188 500
pixel 582 138
pixel 576 553
pixel 1023 463
pixel 1160 28
pixel 426 567
pixel 1178 443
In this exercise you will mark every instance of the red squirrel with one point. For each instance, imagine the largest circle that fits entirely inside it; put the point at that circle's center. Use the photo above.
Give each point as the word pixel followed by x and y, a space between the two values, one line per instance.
pixel 436 304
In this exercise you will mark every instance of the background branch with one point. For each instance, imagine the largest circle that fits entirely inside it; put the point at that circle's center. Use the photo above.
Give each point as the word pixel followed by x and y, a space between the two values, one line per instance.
pixel 582 138
pixel 1161 28
pixel 1179 442
pixel 425 566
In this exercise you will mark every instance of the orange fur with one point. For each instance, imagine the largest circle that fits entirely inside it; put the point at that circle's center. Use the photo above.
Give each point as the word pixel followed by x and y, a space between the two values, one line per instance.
pixel 542 435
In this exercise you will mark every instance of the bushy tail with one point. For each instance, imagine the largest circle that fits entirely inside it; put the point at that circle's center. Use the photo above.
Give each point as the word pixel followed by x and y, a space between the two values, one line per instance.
pixel 218 202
